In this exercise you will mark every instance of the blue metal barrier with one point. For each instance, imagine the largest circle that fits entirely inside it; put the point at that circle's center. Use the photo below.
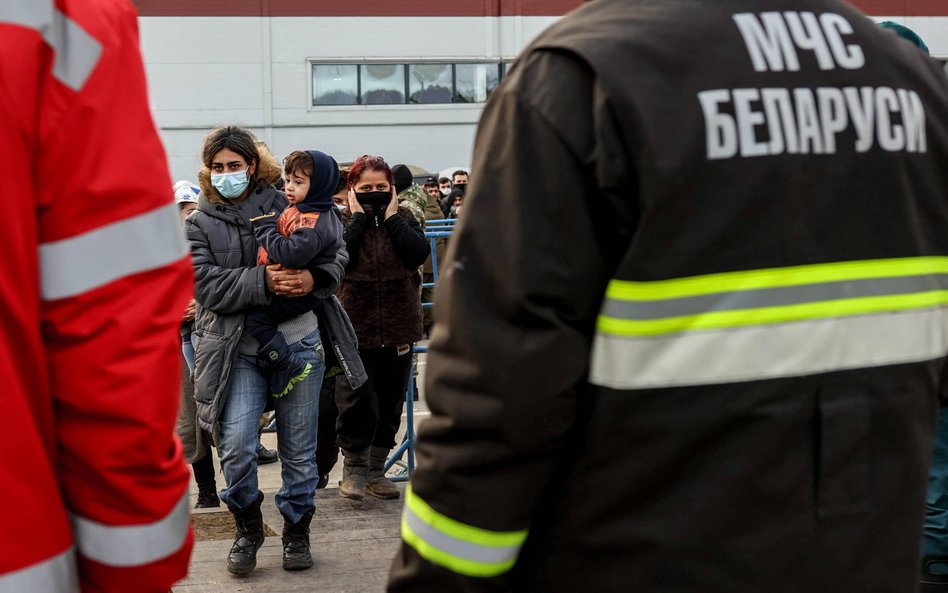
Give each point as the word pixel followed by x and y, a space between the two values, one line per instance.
pixel 443 229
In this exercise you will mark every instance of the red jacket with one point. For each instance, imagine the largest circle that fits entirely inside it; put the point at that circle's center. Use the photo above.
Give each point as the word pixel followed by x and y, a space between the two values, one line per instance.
pixel 92 286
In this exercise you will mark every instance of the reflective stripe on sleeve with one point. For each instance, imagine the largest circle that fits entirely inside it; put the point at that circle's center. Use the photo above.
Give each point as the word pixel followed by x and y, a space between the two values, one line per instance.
pixel 76 52
pixel 133 545
pixel 56 575
pixel 460 548
pixel 768 352
pixel 78 264
pixel 771 323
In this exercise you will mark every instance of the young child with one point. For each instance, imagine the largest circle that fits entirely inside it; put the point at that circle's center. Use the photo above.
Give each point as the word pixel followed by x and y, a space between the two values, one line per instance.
pixel 306 234
pixel 186 197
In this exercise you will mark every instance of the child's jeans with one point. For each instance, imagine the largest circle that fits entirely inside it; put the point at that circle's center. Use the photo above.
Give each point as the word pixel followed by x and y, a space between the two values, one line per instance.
pixel 188 350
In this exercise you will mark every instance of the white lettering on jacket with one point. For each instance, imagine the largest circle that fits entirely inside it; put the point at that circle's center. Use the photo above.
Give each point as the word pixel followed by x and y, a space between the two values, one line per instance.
pixel 752 122
pixel 773 40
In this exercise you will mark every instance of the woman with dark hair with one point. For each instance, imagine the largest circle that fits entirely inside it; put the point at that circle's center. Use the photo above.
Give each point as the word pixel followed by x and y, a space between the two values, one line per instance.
pixel 231 390
pixel 380 293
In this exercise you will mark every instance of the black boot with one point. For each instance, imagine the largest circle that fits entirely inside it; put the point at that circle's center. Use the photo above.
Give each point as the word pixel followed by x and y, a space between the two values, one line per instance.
pixel 265 456
pixel 296 553
pixel 242 558
pixel 322 482
pixel 207 485
pixel 277 361
pixel 207 499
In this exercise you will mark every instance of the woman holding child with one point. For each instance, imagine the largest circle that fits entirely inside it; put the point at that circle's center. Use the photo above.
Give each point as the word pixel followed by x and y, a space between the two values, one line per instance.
pixel 255 332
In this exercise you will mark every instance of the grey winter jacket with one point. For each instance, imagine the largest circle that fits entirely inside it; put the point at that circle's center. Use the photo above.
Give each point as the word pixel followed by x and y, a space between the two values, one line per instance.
pixel 334 320
pixel 228 282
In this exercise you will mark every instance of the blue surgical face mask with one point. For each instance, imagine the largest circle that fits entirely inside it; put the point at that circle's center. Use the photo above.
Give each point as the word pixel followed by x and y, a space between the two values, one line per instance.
pixel 230 185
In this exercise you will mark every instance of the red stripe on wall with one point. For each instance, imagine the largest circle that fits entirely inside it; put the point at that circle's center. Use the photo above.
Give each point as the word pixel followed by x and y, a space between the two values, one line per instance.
pixel 903 7
pixel 410 8
pixel 419 8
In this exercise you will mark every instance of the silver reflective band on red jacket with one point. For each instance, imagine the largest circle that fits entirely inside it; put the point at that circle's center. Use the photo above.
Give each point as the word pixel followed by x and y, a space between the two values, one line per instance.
pixel 133 545
pixel 56 575
pixel 93 259
pixel 771 323
pixel 76 52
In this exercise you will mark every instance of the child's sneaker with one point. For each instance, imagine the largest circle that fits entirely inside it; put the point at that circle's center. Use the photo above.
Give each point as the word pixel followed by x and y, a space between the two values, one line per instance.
pixel 298 371
pixel 277 361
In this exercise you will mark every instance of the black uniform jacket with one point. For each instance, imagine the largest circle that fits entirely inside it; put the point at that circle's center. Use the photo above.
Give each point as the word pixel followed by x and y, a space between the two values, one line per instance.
pixel 691 334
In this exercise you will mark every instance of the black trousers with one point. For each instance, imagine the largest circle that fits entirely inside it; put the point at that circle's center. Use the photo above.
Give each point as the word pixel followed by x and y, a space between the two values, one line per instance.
pixel 262 322
pixel 370 415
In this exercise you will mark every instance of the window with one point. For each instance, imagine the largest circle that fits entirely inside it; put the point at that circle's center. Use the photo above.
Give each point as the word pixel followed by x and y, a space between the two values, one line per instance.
pixel 475 82
pixel 335 84
pixel 385 83
pixel 430 83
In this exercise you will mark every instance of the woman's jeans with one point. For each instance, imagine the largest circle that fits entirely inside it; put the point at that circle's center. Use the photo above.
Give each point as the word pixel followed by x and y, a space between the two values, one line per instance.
pixel 296 416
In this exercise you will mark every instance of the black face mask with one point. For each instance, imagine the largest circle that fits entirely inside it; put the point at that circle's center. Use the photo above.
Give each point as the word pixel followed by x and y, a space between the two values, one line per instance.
pixel 378 200
pixel 461 186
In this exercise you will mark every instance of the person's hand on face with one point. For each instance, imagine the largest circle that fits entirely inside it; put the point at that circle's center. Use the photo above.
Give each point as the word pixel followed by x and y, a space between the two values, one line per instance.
pixel 354 205
pixel 392 208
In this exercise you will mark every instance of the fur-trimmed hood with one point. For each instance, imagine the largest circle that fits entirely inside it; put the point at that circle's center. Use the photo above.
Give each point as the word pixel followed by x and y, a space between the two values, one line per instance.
pixel 269 171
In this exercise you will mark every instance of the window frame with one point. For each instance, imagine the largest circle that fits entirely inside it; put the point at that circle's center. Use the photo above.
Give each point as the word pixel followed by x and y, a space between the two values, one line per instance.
pixel 502 64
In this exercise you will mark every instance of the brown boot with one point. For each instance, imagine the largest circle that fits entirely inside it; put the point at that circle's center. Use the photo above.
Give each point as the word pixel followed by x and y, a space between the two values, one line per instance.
pixel 376 483
pixel 355 464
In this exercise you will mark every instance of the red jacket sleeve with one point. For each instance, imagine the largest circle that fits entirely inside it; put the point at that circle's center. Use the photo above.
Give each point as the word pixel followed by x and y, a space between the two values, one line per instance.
pixel 114 280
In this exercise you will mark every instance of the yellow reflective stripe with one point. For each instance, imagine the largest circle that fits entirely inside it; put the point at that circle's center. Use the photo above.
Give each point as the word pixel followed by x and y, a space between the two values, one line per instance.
pixel 769 351
pixel 468 533
pixel 775 277
pixel 451 562
pixel 772 315
pixel 456 546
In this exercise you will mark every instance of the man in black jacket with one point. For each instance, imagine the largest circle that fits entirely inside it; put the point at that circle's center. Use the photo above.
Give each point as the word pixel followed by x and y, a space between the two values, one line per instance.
pixel 705 350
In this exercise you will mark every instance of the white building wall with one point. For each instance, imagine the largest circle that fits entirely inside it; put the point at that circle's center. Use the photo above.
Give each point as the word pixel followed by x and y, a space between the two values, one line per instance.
pixel 206 71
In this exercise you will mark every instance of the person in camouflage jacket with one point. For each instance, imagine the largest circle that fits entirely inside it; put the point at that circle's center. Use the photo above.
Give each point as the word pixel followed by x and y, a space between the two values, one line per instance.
pixel 410 194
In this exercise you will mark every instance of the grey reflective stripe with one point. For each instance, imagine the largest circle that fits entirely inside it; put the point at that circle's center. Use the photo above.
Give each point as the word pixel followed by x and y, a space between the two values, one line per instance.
pixel 133 545
pixel 56 575
pixel 769 352
pixel 772 297
pixel 456 547
pixel 78 264
pixel 76 52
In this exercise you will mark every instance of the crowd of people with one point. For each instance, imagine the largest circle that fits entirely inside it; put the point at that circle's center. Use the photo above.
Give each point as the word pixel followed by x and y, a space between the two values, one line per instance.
pixel 308 292
pixel 713 317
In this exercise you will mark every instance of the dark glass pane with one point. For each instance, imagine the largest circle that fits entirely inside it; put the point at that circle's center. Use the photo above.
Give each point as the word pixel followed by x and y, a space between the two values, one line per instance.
pixel 383 84
pixel 335 84
pixel 475 82
pixel 429 83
